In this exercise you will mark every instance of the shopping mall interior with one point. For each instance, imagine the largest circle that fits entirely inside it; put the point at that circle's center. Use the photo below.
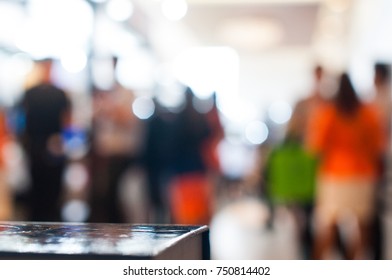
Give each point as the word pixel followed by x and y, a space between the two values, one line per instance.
pixel 127 67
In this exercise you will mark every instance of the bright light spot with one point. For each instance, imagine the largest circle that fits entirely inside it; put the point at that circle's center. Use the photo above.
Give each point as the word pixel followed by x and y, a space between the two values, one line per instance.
pixel 174 9
pixel 75 143
pixel 48 30
pixel 102 73
pixel 143 107
pixel 256 132
pixel 76 176
pixel 11 20
pixel 235 158
pixel 136 70
pixel 208 69
pixel 74 61
pixel 13 71
pixel 237 110
pixel 75 211
pixel 171 97
pixel 203 105
pixel 119 10
pixel 98 1
pixel 280 112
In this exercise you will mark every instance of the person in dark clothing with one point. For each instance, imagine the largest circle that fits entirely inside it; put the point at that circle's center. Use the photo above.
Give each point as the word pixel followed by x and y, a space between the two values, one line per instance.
pixel 157 158
pixel 190 187
pixel 46 109
pixel 191 133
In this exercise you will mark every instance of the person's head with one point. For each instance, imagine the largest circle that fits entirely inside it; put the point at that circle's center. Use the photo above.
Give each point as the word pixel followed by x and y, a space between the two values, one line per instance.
pixel 318 72
pixel 45 68
pixel 346 99
pixel 382 73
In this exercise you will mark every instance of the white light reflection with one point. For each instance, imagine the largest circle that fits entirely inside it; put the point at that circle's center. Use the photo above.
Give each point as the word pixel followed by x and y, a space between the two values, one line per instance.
pixel 76 177
pixel 13 71
pixel 256 132
pixel 75 211
pixel 119 10
pixel 209 69
pixel 235 158
pixel 174 9
pixel 74 61
pixel 143 107
pixel 171 96
pixel 102 73
pixel 135 71
pixel 238 111
pixel 203 105
pixel 169 93
pixel 280 112
pixel 11 20
pixel 53 27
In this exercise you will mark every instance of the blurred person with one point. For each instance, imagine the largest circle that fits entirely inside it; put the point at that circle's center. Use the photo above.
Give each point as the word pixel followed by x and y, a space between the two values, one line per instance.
pixel 157 157
pixel 290 174
pixel 382 94
pixel 348 138
pixel 382 103
pixel 190 189
pixel 290 169
pixel 116 142
pixel 6 196
pixel 47 111
pixel 210 148
pixel 306 107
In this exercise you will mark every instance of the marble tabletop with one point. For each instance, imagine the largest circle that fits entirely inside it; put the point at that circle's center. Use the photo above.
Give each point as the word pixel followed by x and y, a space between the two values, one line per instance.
pixel 90 241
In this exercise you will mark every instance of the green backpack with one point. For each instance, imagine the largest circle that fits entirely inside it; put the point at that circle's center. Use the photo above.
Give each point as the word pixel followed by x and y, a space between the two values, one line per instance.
pixel 290 174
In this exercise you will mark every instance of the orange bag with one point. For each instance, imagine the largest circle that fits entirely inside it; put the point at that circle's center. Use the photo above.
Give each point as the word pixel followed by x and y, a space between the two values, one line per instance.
pixel 190 199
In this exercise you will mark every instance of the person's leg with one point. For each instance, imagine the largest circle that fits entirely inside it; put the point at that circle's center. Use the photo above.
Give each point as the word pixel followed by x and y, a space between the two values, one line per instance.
pixel 358 244
pixel 324 241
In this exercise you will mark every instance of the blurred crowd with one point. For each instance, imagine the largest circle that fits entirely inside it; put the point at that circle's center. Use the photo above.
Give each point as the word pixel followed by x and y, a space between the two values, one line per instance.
pixel 329 171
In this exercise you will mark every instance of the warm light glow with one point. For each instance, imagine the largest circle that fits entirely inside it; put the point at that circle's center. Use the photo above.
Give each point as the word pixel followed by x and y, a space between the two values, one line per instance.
pixel 251 33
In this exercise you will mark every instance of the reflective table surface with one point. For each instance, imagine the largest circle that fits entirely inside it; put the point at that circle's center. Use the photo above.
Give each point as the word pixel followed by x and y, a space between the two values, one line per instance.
pixel 28 240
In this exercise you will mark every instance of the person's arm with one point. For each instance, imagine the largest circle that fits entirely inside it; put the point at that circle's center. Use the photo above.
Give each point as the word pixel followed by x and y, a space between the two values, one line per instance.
pixel 317 131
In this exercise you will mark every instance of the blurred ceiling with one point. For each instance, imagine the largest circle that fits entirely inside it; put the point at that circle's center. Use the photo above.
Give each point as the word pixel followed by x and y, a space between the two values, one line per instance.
pixel 247 26
pixel 253 25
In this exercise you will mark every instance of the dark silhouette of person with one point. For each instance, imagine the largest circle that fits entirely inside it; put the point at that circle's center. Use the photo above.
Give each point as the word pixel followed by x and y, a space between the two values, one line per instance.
pixel 190 188
pixel 191 131
pixel 115 148
pixel 157 158
pixel 383 105
pixel 47 112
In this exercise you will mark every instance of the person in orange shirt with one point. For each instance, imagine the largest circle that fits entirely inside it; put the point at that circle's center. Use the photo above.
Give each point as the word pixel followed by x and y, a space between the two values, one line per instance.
pixel 349 140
